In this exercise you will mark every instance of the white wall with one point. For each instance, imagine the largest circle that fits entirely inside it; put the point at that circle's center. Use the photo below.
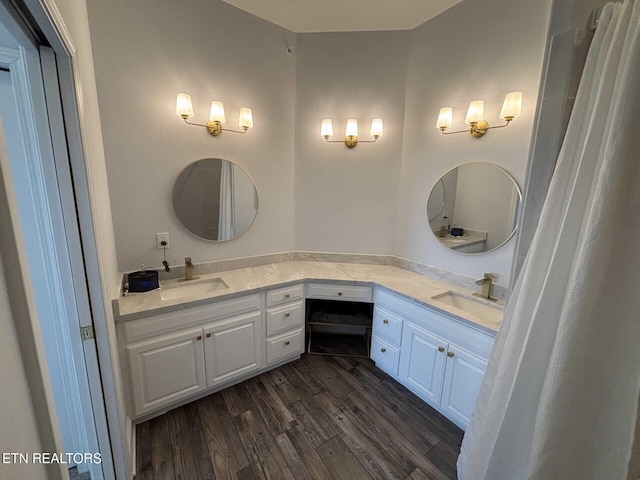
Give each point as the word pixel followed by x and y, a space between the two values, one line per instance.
pixel 346 199
pixel 313 195
pixel 145 54
pixel 475 50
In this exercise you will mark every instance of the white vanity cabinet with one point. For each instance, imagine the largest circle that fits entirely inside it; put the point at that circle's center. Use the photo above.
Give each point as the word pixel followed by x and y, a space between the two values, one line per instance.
pixel 175 355
pixel 284 323
pixel 441 359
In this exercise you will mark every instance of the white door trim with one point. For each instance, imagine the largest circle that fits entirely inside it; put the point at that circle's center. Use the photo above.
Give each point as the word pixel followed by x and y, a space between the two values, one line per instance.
pixel 121 432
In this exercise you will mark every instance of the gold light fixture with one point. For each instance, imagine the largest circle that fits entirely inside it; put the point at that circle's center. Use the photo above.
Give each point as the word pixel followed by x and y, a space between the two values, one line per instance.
pixel 184 109
pixel 351 131
pixel 478 126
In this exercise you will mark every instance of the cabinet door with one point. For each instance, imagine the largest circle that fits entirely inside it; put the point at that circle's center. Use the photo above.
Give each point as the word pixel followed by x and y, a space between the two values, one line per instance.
pixel 233 347
pixel 462 380
pixel 167 369
pixel 422 361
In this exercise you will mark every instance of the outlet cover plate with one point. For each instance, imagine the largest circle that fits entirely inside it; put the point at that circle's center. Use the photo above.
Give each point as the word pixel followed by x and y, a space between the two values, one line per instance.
pixel 162 237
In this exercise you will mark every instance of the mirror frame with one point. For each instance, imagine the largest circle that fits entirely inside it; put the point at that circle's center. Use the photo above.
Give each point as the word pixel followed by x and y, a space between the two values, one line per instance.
pixel 517 214
pixel 255 189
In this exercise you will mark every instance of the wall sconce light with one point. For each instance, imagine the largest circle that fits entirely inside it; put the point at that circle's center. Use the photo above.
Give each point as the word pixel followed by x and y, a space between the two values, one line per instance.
pixel 216 116
pixel 351 132
pixel 511 109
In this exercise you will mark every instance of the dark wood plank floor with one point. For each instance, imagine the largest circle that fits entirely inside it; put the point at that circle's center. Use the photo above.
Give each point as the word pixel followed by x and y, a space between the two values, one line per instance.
pixel 319 417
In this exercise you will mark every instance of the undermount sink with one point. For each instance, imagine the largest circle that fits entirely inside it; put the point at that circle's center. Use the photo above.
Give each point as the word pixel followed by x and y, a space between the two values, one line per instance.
pixel 191 288
pixel 481 308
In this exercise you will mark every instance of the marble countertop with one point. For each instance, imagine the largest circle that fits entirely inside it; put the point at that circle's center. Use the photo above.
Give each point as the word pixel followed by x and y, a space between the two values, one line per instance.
pixel 414 286
pixel 469 238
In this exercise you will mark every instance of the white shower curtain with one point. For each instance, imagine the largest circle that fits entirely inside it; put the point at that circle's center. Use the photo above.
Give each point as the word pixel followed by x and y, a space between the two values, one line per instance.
pixel 226 218
pixel 560 398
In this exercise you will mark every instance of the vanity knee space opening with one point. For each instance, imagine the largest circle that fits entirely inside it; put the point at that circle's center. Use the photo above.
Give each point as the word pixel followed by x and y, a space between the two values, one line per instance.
pixel 338 328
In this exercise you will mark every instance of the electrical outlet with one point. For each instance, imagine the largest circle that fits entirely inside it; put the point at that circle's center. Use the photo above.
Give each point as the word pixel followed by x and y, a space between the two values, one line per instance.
pixel 162 237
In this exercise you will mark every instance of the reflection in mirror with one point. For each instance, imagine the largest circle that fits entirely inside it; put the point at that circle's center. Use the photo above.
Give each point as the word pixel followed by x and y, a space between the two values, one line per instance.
pixel 435 205
pixel 215 199
pixel 481 204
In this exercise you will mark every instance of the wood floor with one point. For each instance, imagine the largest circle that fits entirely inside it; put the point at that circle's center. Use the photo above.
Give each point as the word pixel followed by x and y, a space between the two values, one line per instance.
pixel 318 417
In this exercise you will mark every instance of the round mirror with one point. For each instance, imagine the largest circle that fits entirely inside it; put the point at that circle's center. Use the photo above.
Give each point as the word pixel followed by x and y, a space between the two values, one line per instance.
pixel 435 205
pixel 215 199
pixel 481 204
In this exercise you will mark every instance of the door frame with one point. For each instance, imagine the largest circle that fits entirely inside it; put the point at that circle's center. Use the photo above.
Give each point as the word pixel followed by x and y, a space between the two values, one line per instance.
pixel 114 427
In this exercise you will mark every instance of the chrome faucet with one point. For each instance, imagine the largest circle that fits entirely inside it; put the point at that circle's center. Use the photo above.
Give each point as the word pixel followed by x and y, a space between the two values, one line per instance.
pixel 487 287
pixel 188 269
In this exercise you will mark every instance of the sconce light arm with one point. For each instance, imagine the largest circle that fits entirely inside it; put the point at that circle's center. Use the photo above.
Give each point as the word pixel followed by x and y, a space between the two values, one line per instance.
pixel 351 141
pixel 375 139
pixel 215 127
pixel 477 129
pixel 507 121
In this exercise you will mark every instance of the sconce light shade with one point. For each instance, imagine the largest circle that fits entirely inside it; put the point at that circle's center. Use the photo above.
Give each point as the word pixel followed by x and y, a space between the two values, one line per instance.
pixel 246 119
pixel 475 113
pixel 352 128
pixel 512 106
pixel 445 118
pixel 351 131
pixel 475 116
pixel 216 114
pixel 184 108
pixel 376 128
pixel 326 130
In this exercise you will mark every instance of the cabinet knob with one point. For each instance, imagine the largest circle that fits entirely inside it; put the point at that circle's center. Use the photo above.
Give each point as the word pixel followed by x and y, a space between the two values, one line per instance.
pixel 450 354
pixel 199 337
pixel 287 314
pixel 385 321
pixel 441 349
pixel 383 349
pixel 286 295
pixel 208 335
pixel 287 342
pixel 339 294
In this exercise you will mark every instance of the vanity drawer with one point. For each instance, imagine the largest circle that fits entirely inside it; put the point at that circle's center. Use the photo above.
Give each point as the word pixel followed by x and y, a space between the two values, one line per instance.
pixel 328 291
pixel 387 325
pixel 386 356
pixel 139 329
pixel 284 317
pixel 285 345
pixel 285 294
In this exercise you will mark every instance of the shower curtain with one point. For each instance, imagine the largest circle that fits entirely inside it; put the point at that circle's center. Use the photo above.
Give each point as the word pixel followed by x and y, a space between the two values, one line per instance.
pixel 560 398
pixel 226 219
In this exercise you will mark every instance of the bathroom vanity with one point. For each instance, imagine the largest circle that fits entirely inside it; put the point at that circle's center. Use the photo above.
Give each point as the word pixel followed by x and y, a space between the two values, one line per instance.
pixel 182 344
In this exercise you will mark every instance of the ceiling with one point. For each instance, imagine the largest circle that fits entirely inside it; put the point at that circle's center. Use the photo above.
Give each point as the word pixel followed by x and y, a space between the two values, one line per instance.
pixel 306 16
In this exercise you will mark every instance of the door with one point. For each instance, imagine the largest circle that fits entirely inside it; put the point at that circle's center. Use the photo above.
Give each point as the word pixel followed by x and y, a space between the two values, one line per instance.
pixel 233 347
pixel 462 380
pixel 53 255
pixel 422 361
pixel 166 369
